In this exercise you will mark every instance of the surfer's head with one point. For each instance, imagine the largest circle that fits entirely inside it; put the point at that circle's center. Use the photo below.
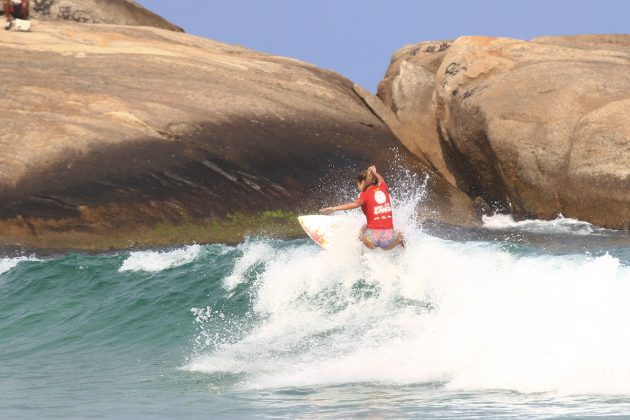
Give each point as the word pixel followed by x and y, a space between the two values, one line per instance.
pixel 365 179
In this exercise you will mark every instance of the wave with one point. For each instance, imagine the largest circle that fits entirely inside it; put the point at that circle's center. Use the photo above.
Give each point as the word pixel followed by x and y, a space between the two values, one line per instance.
pixel 6 264
pixel 155 261
pixel 274 314
pixel 464 315
pixel 467 316
pixel 560 224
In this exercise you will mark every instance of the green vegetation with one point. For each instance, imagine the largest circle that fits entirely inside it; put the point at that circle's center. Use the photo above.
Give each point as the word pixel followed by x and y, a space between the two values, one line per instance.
pixel 230 229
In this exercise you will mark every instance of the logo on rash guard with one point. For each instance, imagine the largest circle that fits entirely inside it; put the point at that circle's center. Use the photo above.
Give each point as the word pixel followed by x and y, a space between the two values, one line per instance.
pixel 382 209
pixel 380 197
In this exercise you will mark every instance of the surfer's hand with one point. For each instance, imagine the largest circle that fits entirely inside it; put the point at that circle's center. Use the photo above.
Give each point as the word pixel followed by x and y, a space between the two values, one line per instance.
pixel 378 176
pixel 326 210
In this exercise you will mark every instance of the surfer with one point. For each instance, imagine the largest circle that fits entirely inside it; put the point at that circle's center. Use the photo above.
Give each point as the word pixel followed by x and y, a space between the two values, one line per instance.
pixel 15 9
pixel 375 202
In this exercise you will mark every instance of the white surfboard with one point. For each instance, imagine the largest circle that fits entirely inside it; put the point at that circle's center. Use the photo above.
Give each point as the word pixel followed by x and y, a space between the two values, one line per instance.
pixel 319 228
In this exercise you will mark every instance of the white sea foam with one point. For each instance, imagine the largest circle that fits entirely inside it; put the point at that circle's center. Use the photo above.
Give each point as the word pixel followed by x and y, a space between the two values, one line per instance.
pixel 7 264
pixel 253 253
pixel 154 261
pixel 467 315
pixel 560 224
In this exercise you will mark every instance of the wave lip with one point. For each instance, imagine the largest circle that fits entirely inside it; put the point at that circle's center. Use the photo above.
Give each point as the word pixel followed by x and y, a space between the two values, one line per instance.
pixel 6 264
pixel 156 261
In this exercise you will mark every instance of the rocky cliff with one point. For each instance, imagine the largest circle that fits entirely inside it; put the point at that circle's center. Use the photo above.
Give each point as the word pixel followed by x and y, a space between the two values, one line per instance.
pixel 534 128
pixel 122 135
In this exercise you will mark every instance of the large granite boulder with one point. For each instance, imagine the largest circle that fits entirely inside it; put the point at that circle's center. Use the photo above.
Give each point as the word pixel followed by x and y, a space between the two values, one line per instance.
pixel 408 89
pixel 114 136
pixel 535 128
pixel 118 12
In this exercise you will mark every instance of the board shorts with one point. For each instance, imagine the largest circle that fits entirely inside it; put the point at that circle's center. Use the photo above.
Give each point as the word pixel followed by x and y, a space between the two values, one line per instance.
pixel 381 238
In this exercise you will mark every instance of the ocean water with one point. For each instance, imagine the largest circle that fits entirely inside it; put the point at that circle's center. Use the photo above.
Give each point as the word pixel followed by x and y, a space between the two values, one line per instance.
pixel 487 328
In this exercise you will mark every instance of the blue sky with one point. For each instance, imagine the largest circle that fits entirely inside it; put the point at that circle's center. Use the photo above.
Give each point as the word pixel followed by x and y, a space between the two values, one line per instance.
pixel 357 37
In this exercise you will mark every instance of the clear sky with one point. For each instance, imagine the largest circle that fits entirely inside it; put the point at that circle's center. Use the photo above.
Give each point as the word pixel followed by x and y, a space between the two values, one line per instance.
pixel 357 37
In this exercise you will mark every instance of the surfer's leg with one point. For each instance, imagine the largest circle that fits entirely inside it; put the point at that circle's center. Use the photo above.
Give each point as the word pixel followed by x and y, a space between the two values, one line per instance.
pixel 362 231
pixel 401 238
pixel 8 14
pixel 8 9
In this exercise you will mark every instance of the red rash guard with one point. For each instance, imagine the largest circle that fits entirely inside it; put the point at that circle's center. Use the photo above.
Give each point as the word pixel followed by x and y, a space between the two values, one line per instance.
pixel 377 207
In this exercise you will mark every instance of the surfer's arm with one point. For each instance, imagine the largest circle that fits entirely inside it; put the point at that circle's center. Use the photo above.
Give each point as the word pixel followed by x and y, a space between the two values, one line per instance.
pixel 348 206
pixel 376 174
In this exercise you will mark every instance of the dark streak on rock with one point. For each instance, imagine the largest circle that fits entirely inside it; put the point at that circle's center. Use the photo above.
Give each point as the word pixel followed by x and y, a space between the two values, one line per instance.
pixel 155 180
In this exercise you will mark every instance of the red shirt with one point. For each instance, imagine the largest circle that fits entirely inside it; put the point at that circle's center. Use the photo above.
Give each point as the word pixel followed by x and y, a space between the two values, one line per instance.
pixel 377 207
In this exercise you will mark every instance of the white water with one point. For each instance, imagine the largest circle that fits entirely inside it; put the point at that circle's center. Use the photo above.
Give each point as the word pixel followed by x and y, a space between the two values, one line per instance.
pixel 154 261
pixel 560 224
pixel 469 316
pixel 6 264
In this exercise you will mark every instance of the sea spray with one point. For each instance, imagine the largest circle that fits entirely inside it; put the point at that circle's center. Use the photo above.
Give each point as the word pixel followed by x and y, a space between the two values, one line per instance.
pixel 465 315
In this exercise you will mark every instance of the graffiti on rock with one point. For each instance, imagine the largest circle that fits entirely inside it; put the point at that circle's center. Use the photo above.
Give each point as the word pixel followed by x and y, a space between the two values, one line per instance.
pixel 43 6
pixel 81 16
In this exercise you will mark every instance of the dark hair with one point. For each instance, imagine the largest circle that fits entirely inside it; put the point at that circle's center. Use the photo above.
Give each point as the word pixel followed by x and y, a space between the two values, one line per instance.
pixel 368 177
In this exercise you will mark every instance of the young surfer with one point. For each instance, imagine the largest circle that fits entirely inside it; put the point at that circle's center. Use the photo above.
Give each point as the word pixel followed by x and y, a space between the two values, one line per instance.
pixel 375 202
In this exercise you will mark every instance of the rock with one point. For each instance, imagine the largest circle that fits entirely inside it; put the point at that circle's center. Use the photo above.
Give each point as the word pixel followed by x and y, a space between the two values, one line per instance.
pixel 534 128
pixel 388 117
pixel 408 90
pixel 119 136
pixel 481 207
pixel 599 166
pixel 118 12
